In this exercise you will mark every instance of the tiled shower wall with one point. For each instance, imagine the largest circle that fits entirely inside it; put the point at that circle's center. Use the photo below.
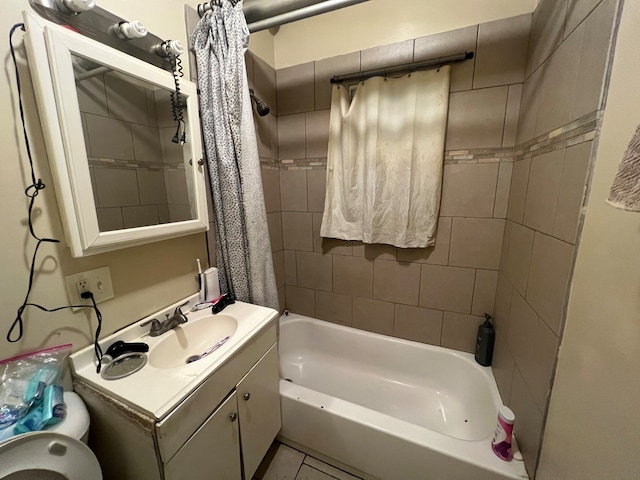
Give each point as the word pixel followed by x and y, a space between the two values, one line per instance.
pixel 435 295
pixel 558 126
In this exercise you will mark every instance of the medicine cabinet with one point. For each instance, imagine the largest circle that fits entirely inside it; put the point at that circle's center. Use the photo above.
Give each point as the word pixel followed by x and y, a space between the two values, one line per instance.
pixel 107 118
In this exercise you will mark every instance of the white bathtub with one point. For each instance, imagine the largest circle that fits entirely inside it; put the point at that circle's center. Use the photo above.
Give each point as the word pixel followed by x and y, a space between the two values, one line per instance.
pixel 393 409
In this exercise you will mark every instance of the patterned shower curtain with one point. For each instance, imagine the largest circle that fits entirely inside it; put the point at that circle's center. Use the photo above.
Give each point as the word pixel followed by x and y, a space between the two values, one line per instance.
pixel 243 250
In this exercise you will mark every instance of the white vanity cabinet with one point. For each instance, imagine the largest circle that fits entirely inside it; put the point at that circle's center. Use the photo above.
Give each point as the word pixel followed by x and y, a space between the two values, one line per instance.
pixel 220 431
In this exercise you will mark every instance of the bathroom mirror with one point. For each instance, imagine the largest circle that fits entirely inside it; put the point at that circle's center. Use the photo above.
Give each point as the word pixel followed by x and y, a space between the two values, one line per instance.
pixel 107 117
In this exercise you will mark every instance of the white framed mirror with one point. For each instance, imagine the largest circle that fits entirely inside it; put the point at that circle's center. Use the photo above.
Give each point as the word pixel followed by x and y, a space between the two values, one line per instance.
pixel 120 180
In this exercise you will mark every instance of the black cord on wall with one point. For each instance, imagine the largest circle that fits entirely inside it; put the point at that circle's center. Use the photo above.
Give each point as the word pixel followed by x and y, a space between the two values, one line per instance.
pixel 32 192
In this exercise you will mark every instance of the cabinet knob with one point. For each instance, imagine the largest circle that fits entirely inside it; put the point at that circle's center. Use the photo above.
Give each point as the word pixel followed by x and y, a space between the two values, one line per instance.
pixel 246 396
pixel 233 416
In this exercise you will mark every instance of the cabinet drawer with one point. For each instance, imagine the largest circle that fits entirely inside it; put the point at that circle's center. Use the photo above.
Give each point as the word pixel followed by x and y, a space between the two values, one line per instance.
pixel 175 429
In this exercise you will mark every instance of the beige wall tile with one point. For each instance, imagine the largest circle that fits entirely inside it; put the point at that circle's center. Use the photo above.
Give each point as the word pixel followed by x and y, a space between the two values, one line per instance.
pixel 506 240
pixel 542 191
pixel 293 190
pixel 551 267
pixel 518 259
pixel 504 292
pixel 373 315
pixel 126 100
pixel 109 219
pixel 476 242
pixel 151 187
pixel 282 299
pixel 502 190
pixel 146 144
pixel 179 213
pixel 291 136
pixel 290 267
pixel 460 331
pixel 264 81
pixel 546 32
pixel 248 62
pixel 476 118
pixel 332 246
pixel 518 191
pixel 171 152
pixel 140 216
pixel 501 55
pixel 295 87
pixel 274 222
pixel 271 189
pixel 176 183
pixel 396 282
pixel 577 11
pixel 116 187
pixel 447 288
pixel 91 96
pixel 316 187
pixel 375 251
pixel 529 107
pixel 572 191
pixel 301 300
pixel 109 138
pixel 152 108
pixel 502 366
pixel 164 115
pixel 558 84
pixel 328 68
pixel 211 242
pixel 418 324
pixel 469 190
pixel 534 348
pixel 273 135
pixel 528 428
pixel 314 270
pixel 297 233
pixel 334 308
pixel 263 134
pixel 436 255
pixel 317 133
pixel 484 292
pixel 278 268
pixel 451 43
pixel 593 58
pixel 353 276
pixel 387 55
pixel 511 118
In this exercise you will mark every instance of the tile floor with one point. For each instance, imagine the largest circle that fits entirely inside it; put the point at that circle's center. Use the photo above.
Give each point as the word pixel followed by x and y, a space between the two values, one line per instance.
pixel 284 463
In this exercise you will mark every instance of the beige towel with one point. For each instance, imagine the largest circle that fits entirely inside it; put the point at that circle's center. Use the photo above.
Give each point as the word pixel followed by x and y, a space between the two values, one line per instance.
pixel 625 191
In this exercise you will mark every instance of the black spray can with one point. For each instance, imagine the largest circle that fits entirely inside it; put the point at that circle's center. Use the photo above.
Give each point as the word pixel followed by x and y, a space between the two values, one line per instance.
pixel 484 343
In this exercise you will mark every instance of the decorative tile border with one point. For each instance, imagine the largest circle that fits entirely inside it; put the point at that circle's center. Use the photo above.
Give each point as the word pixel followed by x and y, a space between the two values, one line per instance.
pixel 579 131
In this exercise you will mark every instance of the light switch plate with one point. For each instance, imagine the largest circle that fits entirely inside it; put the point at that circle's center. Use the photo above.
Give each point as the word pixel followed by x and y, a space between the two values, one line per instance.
pixel 97 281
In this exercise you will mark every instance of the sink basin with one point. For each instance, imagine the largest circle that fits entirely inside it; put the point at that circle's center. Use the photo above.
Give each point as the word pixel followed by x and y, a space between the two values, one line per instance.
pixel 191 338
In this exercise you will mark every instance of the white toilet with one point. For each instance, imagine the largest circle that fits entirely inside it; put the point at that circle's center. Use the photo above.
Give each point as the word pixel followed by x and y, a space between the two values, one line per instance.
pixel 59 453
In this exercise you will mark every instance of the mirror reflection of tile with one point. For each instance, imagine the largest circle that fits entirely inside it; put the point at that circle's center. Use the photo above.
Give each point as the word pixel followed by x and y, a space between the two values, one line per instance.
pixel 137 172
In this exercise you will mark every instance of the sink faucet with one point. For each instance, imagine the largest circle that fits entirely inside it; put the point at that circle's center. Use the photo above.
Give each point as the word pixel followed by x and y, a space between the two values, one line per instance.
pixel 158 327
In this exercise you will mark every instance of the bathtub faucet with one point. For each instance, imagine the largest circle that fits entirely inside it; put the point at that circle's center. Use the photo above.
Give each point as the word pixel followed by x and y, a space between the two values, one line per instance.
pixel 158 327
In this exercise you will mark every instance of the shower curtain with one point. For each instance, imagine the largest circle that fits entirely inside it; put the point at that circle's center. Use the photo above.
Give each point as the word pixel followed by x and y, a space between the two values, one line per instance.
pixel 243 250
pixel 385 160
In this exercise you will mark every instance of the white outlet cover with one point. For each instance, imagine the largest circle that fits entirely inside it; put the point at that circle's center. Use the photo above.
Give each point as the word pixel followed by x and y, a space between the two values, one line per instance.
pixel 98 283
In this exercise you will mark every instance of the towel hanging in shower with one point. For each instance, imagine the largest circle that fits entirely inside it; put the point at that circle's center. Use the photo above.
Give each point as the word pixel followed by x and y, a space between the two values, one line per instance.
pixel 385 160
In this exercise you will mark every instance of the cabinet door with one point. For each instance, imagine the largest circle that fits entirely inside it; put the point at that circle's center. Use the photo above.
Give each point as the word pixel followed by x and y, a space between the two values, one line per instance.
pixel 213 452
pixel 259 410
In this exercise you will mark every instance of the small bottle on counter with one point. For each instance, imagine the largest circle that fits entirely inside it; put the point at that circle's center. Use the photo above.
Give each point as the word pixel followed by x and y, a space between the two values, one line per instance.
pixel 501 443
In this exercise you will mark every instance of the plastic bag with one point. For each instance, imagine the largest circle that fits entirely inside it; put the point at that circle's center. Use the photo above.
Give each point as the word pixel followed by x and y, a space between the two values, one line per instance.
pixel 23 380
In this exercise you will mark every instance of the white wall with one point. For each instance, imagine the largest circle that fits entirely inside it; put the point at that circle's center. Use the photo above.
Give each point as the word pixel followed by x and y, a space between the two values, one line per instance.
pixel 593 426
pixel 145 278
pixel 380 22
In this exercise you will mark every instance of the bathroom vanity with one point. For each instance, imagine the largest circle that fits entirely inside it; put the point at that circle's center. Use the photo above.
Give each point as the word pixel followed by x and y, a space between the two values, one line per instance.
pixel 214 418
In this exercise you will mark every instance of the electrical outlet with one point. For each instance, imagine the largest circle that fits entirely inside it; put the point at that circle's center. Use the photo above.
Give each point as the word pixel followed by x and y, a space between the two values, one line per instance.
pixel 97 281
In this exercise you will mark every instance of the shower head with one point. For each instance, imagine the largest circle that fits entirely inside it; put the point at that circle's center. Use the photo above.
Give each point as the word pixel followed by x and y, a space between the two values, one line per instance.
pixel 261 107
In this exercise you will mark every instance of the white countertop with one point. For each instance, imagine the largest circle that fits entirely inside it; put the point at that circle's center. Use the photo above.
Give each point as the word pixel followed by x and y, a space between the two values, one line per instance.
pixel 157 391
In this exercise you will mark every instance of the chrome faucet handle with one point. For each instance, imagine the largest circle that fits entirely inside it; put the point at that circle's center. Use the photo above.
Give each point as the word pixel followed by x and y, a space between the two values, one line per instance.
pixel 179 312
pixel 156 326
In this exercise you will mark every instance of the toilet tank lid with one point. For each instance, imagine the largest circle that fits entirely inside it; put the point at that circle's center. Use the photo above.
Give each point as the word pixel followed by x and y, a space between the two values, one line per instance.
pixel 76 422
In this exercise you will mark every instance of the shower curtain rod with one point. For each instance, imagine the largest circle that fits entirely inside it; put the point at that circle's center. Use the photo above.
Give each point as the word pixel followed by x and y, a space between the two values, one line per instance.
pixel 278 12
pixel 408 67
